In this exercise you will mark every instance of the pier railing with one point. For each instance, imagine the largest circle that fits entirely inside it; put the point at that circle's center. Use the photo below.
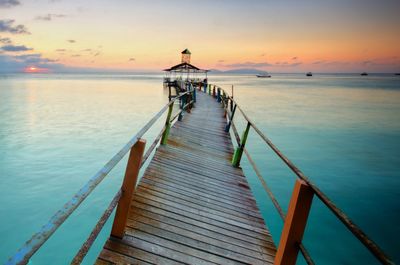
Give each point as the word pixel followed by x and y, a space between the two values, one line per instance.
pixel 122 198
pixel 296 219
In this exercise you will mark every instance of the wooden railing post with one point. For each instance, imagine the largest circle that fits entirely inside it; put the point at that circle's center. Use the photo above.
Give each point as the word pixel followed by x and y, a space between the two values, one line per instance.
pixel 194 94
pixel 295 224
pixel 209 89
pixel 213 92
pixel 128 187
pixel 219 95
pixel 237 156
pixel 228 126
pixel 181 104
pixel 188 104
pixel 167 125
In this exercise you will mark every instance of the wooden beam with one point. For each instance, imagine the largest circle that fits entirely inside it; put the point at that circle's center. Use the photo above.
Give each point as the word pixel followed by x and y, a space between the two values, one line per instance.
pixel 295 224
pixel 167 125
pixel 237 156
pixel 128 187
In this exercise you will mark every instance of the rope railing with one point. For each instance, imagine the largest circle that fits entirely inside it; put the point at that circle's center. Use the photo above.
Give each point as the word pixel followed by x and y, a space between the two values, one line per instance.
pixel 103 219
pixel 23 255
pixel 275 202
pixel 223 96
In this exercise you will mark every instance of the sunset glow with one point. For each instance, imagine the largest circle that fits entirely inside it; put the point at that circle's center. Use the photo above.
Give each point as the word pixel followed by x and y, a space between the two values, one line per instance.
pixel 281 36
pixel 33 69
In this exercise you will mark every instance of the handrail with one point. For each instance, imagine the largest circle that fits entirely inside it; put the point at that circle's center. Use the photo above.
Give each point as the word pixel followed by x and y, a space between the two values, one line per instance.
pixel 96 230
pixel 303 250
pixel 354 229
pixel 30 247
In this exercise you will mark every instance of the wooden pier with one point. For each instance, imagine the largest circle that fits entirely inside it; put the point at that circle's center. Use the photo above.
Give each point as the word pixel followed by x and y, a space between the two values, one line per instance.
pixel 192 206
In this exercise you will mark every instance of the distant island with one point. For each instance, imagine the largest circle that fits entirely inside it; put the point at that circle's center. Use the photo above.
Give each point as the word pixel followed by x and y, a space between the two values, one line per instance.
pixel 249 71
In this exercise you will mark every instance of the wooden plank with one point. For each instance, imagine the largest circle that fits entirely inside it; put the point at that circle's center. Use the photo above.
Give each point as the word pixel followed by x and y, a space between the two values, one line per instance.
pixel 202 186
pixel 197 241
pixel 204 206
pixel 205 232
pixel 112 257
pixel 196 197
pixel 188 250
pixel 217 224
pixel 230 189
pixel 191 206
pixel 140 250
pixel 223 218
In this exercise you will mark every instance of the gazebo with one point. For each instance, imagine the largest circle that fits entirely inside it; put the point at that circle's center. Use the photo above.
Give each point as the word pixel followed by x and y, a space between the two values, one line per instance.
pixel 183 76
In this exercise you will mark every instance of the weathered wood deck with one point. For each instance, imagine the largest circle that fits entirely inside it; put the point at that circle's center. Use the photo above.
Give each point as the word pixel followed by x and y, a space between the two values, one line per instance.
pixel 192 206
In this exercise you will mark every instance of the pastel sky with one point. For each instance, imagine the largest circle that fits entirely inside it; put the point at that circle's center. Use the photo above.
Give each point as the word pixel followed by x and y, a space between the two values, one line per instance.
pixel 136 35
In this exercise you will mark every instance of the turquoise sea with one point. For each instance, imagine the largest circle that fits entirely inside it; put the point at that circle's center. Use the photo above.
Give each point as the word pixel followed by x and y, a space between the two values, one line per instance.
pixel 342 131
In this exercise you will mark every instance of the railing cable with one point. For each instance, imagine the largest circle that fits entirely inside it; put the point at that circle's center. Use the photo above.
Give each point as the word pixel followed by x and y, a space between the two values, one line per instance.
pixel 362 237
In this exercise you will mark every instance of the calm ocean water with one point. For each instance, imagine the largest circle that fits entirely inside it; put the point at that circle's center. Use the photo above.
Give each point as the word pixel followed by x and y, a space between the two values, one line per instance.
pixel 343 131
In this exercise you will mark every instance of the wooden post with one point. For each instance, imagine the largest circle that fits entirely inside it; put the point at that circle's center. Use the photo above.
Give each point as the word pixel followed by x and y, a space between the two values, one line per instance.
pixel 209 89
pixel 237 156
pixel 228 126
pixel 188 100
pixel 128 187
pixel 295 224
pixel 219 95
pixel 194 94
pixel 213 92
pixel 167 125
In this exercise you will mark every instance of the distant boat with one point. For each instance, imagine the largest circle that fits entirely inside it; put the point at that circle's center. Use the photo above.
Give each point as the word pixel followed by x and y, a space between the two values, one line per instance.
pixel 263 75
pixel 309 74
pixel 397 74
pixel 364 73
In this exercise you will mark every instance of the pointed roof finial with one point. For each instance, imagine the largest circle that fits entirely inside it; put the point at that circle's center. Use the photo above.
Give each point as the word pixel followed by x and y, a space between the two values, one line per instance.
pixel 186 51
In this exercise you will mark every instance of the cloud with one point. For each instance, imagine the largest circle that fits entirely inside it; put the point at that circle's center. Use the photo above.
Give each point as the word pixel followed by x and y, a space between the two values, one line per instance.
pixel 96 54
pixel 75 55
pixel 5 40
pixel 369 62
pixel 61 50
pixel 248 64
pixel 8 3
pixel 132 59
pixel 86 50
pixel 221 61
pixel 330 63
pixel 262 64
pixel 34 58
pixel 262 55
pixel 49 17
pixel 15 48
pixel 6 25
pixel 71 41
pixel 319 62
pixel 294 58
pixel 17 63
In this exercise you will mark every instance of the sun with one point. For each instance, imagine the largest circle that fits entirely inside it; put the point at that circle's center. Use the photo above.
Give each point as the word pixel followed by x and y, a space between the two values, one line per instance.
pixel 35 69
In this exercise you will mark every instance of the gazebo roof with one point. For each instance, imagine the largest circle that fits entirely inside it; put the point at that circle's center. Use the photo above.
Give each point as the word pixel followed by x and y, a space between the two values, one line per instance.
pixel 186 51
pixel 185 68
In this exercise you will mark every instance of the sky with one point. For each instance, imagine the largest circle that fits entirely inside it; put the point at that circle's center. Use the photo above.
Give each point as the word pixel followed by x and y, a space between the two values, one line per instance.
pixel 135 35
